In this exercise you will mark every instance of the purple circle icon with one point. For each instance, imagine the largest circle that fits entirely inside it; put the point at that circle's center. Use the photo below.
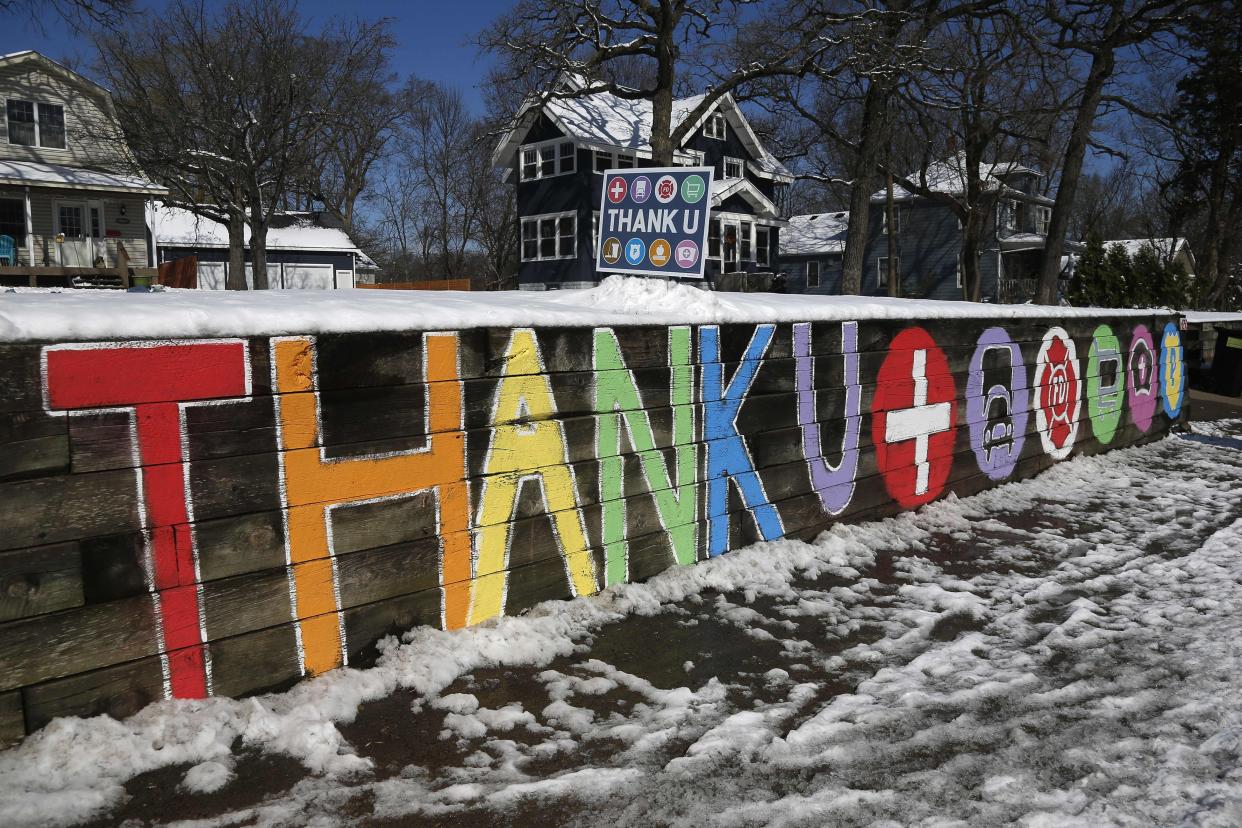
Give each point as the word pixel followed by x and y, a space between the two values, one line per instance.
pixel 640 189
pixel 687 254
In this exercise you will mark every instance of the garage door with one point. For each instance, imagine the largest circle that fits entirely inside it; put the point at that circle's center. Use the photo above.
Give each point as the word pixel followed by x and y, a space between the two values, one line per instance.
pixel 309 276
pixel 211 275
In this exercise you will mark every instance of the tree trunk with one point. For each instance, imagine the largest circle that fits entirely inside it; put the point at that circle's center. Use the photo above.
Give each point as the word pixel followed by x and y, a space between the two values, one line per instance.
pixel 890 207
pixel 1102 65
pixel 258 247
pixel 864 180
pixel 236 279
pixel 1215 273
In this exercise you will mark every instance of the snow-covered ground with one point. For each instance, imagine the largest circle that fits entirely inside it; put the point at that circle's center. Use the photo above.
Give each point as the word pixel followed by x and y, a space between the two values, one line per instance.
pixel 1063 651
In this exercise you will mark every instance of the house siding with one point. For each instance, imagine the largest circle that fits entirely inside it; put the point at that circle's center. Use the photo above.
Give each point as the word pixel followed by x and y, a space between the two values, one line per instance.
pixel 42 211
pixel 92 135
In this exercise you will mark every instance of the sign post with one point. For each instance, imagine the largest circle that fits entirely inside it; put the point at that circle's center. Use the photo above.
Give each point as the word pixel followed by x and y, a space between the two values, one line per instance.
pixel 653 221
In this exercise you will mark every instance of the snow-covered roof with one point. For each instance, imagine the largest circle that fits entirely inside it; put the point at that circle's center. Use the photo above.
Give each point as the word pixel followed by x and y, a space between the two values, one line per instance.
pixel 949 176
pixel 34 173
pixel 605 120
pixel 618 301
pixel 1164 248
pixel 175 227
pixel 815 233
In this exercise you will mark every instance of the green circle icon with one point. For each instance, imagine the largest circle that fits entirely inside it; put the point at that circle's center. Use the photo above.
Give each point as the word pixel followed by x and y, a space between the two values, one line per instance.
pixel 1106 383
pixel 693 189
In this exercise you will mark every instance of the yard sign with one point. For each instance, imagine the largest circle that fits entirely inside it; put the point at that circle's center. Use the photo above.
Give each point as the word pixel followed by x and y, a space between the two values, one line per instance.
pixel 653 221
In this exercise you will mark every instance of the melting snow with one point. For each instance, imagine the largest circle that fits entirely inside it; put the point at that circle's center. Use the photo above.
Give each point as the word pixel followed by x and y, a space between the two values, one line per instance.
pixel 1063 651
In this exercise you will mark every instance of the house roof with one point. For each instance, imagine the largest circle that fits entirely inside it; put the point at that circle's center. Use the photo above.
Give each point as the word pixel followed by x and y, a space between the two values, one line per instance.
pixel 949 176
pixel 605 120
pixel 729 187
pixel 175 227
pixel 1164 248
pixel 815 233
pixel 33 173
pixel 31 56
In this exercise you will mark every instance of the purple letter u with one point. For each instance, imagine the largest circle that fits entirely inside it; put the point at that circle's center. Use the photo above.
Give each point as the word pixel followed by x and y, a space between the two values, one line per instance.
pixel 833 484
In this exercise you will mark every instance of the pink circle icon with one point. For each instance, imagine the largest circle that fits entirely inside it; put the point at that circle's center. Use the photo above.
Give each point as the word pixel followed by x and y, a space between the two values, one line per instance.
pixel 687 254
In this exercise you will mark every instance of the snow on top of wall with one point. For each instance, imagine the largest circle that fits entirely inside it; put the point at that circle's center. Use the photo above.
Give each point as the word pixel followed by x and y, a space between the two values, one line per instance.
pixel 180 228
pixel 618 301
pixel 815 233
pixel 1211 317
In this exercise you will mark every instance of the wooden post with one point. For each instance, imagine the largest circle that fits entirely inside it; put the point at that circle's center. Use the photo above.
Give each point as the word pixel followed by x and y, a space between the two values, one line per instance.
pixel 122 264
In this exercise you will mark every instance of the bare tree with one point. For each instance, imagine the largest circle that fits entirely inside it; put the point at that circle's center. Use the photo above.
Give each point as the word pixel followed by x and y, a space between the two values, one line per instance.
pixel 80 14
pixel 571 48
pixel 1092 32
pixel 223 105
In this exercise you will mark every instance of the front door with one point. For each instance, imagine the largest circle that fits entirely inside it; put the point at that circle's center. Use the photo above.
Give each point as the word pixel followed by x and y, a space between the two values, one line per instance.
pixel 81 224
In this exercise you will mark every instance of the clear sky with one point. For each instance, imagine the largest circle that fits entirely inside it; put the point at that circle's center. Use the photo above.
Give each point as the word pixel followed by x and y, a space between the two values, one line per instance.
pixel 433 38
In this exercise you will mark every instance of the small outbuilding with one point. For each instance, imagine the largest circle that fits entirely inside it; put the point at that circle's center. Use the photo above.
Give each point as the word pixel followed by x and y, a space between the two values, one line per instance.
pixel 305 250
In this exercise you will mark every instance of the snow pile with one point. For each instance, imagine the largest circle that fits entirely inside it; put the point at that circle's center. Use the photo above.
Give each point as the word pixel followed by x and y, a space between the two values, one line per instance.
pixel 617 301
pixel 1063 651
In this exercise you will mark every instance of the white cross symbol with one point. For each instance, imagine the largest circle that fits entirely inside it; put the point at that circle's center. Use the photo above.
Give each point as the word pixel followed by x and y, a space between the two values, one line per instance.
pixel 618 189
pixel 918 422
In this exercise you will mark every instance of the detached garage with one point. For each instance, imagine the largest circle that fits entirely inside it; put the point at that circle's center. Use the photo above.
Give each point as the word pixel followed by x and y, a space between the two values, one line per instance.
pixel 305 251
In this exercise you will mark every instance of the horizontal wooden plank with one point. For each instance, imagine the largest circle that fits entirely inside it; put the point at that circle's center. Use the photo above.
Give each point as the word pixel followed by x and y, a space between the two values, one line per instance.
pixel 35 581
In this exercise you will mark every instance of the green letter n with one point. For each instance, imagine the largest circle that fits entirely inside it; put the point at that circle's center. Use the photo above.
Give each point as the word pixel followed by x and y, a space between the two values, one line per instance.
pixel 617 400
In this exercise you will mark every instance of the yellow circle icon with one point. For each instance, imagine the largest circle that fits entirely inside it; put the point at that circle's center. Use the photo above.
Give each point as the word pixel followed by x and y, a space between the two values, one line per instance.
pixel 660 252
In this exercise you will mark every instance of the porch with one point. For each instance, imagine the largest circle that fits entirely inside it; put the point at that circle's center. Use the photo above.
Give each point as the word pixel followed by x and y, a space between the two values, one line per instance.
pixel 59 222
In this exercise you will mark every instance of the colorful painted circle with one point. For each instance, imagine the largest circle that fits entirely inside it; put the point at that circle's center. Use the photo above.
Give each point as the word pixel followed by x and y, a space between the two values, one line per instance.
pixel 997 417
pixel 914 419
pixel 1142 378
pixel 1172 371
pixel 1105 384
pixel 1058 393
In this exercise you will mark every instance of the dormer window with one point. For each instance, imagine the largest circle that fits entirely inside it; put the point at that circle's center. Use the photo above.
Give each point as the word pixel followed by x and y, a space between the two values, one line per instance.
pixel 34 124
pixel 715 126
pixel 548 159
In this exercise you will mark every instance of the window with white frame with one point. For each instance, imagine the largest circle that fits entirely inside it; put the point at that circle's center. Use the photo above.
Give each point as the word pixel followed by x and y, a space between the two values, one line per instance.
pixel 882 269
pixel 695 158
pixel 746 248
pixel 1043 218
pixel 548 159
pixel 763 245
pixel 35 124
pixel 713 239
pixel 715 126
pixel 731 167
pixel 552 236
pixel 812 274
pixel 610 160
pixel 896 219
pixel 959 269
pixel 1009 214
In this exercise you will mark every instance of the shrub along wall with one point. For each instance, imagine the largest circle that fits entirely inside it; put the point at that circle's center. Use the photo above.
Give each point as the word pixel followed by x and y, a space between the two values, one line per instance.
pixel 195 517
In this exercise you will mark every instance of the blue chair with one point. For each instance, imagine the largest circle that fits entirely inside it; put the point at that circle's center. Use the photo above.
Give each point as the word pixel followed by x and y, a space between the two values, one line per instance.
pixel 8 253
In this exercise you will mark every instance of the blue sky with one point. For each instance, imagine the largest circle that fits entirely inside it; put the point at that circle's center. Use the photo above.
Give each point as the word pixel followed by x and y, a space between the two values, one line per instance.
pixel 433 39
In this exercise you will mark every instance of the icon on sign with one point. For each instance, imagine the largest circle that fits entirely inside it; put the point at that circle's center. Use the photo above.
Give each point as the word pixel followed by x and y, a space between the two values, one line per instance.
pixel 617 190
pixel 640 189
pixel 687 254
pixel 611 250
pixel 666 189
pixel 660 252
pixel 693 189
pixel 635 251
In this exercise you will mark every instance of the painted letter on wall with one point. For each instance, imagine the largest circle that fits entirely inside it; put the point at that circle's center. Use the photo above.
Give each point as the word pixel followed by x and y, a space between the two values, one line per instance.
pixel 833 484
pixel 313 486
pixel 728 459
pixel 618 402
pixel 155 381
pixel 527 445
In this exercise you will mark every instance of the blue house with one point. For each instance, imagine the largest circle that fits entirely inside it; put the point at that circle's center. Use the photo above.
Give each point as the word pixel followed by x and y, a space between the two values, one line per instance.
pixel 928 238
pixel 558 150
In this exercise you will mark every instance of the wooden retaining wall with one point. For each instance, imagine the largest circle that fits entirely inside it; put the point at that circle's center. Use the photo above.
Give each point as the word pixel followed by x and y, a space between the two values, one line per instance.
pixel 194 517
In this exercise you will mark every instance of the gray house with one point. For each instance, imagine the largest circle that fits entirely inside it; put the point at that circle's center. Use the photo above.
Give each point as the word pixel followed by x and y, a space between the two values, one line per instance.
pixel 928 238
pixel 69 189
